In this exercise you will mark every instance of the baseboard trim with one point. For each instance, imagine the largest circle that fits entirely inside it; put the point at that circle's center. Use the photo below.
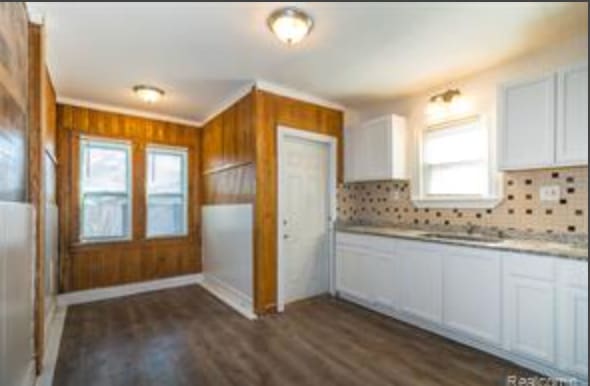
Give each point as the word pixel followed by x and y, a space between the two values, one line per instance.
pixel 49 319
pixel 229 295
pixel 88 296
pixel 452 335
pixel 55 332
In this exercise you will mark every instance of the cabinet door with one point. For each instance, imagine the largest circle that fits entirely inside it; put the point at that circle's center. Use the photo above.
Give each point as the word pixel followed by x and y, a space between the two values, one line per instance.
pixel 573 320
pixel 472 278
pixel 351 273
pixel 575 330
pixel 572 121
pixel 526 124
pixel 381 279
pixel 422 284
pixel 530 317
pixel 377 149
pixel 351 153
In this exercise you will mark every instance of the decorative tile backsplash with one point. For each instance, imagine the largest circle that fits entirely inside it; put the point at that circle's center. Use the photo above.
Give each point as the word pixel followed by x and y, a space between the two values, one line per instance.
pixel 521 210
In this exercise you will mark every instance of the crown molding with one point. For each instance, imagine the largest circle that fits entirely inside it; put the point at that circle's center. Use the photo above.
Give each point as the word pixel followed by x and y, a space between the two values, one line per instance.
pixel 127 111
pixel 263 85
pixel 273 88
pixel 278 89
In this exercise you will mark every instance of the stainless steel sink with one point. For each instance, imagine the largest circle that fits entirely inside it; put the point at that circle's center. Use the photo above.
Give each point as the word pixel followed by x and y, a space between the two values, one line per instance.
pixel 464 237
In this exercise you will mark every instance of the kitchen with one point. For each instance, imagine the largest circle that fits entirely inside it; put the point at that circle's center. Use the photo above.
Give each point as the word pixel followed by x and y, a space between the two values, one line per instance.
pixel 416 216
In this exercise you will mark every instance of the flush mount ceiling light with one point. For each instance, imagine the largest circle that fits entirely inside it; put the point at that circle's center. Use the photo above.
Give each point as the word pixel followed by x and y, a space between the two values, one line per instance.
pixel 290 24
pixel 148 94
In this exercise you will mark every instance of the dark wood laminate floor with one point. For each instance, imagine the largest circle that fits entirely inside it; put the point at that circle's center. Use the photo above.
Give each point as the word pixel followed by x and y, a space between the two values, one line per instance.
pixel 185 336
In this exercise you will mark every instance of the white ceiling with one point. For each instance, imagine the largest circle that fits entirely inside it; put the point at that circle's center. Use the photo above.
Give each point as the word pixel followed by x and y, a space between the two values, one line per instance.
pixel 357 54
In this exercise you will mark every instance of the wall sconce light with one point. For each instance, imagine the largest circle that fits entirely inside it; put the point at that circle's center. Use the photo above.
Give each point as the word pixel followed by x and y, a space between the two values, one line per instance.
pixel 450 102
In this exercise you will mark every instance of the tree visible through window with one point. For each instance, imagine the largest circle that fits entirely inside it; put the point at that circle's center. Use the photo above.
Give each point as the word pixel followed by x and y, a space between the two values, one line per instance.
pixel 105 194
pixel 166 191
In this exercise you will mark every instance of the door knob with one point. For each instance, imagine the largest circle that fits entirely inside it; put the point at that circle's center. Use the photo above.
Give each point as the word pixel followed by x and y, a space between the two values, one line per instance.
pixel 285 236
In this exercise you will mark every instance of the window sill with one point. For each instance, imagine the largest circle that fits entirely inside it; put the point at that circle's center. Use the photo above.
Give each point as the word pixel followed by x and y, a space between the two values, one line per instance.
pixel 465 203
pixel 167 237
pixel 104 242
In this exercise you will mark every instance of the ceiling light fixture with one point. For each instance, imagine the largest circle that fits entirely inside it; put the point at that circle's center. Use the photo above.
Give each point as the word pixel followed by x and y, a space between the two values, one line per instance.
pixel 290 24
pixel 148 94
pixel 450 102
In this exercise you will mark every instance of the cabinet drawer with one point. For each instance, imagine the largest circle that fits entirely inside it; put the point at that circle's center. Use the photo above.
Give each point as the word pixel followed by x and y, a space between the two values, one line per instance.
pixel 369 242
pixel 534 267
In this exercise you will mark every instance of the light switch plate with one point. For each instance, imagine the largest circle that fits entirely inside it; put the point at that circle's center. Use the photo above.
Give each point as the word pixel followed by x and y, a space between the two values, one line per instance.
pixel 549 193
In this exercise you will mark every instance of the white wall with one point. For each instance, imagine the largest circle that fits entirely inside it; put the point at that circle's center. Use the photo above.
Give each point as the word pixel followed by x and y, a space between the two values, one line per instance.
pixel 480 88
pixel 16 294
pixel 227 236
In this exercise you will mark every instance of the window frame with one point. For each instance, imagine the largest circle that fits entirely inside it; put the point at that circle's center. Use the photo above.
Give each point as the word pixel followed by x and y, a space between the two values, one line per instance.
pixel 490 199
pixel 105 143
pixel 176 150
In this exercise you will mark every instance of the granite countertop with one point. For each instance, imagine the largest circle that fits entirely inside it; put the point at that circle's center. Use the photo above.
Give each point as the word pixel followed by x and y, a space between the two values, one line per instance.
pixel 539 247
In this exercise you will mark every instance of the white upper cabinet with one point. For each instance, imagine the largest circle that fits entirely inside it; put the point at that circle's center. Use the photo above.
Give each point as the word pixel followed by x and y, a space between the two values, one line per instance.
pixel 543 122
pixel 572 123
pixel 376 150
pixel 527 111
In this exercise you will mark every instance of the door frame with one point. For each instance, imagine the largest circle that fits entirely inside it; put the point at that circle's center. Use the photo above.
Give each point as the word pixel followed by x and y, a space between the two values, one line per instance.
pixel 284 133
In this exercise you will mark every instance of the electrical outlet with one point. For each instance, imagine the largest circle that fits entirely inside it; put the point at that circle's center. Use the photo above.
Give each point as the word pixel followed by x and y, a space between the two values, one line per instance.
pixel 549 193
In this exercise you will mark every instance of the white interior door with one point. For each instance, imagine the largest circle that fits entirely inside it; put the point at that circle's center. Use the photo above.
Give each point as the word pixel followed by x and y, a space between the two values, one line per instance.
pixel 305 218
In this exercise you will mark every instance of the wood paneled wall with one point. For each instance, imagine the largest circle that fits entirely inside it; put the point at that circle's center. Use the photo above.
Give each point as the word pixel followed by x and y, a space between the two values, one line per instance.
pixel 272 111
pixel 239 159
pixel 36 181
pixel 49 115
pixel 228 155
pixel 86 266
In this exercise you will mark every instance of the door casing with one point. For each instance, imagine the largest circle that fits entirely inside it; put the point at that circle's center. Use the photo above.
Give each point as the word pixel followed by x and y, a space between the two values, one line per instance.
pixel 284 133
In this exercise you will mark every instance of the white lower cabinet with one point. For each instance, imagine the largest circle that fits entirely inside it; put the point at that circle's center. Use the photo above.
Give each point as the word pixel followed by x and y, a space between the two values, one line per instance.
pixel 575 331
pixel 472 293
pixel 530 309
pixel 530 318
pixel 382 289
pixel 351 273
pixel 573 325
pixel 422 284
pixel 366 275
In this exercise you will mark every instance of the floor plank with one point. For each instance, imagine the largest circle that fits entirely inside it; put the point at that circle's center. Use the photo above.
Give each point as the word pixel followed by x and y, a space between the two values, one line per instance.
pixel 185 336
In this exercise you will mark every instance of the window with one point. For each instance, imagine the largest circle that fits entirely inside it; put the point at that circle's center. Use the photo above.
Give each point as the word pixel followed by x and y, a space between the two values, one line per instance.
pixel 166 191
pixel 105 194
pixel 455 163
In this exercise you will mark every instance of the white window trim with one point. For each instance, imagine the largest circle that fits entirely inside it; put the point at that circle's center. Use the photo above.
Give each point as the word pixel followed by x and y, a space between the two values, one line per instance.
pixel 114 143
pixel 488 201
pixel 176 150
